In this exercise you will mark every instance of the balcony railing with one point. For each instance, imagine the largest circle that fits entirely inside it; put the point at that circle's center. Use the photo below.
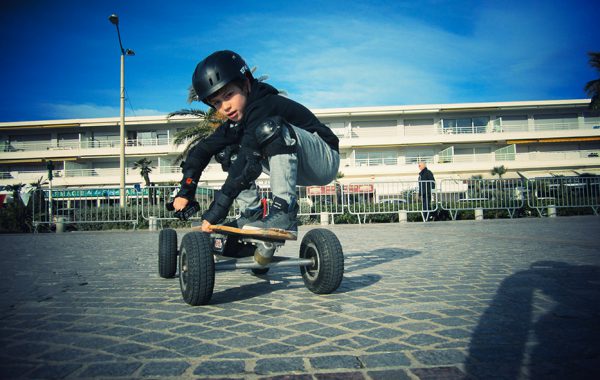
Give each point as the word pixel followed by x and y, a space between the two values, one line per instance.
pixel 75 145
pixel 592 155
pixel 96 172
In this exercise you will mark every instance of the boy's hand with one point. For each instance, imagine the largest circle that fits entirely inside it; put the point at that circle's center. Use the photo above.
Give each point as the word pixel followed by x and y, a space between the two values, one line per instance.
pixel 179 203
pixel 206 226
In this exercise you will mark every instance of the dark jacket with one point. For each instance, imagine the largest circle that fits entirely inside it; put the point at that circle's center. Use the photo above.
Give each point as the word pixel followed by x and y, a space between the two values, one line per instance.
pixel 263 102
pixel 425 187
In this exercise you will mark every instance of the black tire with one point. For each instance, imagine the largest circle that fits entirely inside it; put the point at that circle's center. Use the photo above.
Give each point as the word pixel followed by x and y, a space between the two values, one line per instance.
pixel 167 253
pixel 260 271
pixel 325 275
pixel 196 268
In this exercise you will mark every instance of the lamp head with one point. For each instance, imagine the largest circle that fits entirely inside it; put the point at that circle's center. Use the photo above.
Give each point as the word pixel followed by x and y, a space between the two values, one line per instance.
pixel 114 19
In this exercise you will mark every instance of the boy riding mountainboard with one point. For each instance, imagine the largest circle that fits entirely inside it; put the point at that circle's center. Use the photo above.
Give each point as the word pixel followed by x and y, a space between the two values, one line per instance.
pixel 264 132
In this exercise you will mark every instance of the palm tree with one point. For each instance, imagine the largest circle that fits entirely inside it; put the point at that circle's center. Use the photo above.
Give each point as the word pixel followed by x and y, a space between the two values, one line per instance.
pixel 16 192
pixel 592 88
pixel 209 121
pixel 145 169
pixel 144 165
pixel 37 206
pixel 499 170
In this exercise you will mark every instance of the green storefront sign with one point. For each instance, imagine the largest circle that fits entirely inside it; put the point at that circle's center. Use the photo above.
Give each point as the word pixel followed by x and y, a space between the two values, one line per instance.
pixel 110 193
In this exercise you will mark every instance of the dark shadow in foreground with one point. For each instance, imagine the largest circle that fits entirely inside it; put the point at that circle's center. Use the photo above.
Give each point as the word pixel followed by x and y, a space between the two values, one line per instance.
pixel 514 339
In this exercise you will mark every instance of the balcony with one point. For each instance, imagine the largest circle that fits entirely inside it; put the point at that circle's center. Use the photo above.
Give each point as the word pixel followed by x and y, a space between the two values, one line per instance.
pixel 581 157
pixel 437 129
pixel 78 148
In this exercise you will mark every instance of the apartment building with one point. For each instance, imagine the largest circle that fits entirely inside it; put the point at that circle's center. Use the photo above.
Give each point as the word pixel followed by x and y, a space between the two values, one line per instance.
pixel 377 144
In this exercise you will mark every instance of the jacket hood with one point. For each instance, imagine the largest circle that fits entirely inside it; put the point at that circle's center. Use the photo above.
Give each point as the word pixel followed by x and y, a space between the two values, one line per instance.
pixel 259 90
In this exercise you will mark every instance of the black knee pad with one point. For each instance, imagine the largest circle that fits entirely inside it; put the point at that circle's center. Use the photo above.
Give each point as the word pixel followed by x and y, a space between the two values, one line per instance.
pixel 270 135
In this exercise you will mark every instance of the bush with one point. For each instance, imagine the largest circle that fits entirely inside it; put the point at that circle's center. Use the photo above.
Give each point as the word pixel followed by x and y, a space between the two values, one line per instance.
pixel 14 218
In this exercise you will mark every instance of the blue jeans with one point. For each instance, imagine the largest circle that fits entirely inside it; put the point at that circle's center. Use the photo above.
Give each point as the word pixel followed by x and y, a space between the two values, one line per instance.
pixel 314 163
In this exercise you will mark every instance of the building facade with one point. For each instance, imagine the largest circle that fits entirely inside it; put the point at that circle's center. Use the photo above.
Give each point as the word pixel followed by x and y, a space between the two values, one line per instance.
pixel 377 144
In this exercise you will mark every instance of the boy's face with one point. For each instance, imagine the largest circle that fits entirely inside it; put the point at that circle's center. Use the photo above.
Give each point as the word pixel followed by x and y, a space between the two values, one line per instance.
pixel 230 101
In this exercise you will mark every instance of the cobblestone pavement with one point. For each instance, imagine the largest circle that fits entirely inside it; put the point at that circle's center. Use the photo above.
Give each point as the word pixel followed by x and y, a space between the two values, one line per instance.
pixel 501 299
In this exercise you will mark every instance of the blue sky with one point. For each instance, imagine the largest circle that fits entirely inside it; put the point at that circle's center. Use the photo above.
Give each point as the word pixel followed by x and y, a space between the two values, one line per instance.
pixel 60 59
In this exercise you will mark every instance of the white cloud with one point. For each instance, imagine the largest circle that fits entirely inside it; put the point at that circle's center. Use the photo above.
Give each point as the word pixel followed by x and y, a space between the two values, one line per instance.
pixel 90 110
pixel 332 61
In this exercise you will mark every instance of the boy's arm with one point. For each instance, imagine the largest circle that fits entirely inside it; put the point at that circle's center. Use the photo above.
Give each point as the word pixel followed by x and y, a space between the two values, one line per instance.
pixel 197 160
pixel 242 173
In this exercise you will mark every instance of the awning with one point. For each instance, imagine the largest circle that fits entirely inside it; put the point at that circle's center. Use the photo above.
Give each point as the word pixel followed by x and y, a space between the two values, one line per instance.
pixel 594 171
pixel 553 140
pixel 547 173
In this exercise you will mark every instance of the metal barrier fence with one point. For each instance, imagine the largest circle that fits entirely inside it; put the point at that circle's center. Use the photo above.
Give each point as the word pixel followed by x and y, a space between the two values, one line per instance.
pixel 312 200
pixel 480 194
pixel 82 205
pixel 548 194
pixel 400 198
pixel 62 208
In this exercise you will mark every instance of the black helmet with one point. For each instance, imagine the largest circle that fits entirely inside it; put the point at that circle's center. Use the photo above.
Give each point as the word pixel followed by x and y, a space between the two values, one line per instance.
pixel 216 70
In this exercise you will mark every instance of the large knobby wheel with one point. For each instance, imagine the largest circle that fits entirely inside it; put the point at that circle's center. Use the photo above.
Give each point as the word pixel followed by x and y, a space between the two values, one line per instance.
pixel 327 271
pixel 167 253
pixel 196 268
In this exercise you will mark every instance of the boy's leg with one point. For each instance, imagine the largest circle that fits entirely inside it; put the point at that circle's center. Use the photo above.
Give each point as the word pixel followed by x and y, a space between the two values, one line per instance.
pixel 313 163
pixel 250 207
pixel 248 199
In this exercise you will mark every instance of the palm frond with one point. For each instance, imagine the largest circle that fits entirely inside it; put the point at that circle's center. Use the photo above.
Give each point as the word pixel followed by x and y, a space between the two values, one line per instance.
pixel 592 87
pixel 594 59
pixel 194 133
pixel 188 112
pixel 192 96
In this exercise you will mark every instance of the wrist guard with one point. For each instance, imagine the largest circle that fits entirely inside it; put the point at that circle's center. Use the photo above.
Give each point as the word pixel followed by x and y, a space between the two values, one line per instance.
pixel 219 208
pixel 191 169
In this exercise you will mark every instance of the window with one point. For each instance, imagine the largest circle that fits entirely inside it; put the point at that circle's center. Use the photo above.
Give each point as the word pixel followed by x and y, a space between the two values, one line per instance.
pixel 376 158
pixel 553 122
pixel 68 140
pixel 416 156
pixel 514 123
pixel 374 128
pixel 472 154
pixel 418 126
pixel 507 153
pixel 338 128
pixel 465 125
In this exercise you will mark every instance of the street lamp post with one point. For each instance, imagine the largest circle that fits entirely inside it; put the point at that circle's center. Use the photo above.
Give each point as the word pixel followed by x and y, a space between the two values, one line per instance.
pixel 114 19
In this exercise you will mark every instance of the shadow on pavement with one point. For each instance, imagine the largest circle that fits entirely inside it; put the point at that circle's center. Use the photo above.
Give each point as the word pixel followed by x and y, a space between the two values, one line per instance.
pixel 517 336
pixel 248 291
pixel 362 260
pixel 289 277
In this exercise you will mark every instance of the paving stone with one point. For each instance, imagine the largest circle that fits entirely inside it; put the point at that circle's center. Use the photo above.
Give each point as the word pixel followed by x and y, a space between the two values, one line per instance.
pixel 391 359
pixel 110 369
pixel 279 364
pixel 340 376
pixel 393 374
pixel 54 371
pixel 222 367
pixel 440 373
pixel 335 361
pixel 439 357
pixel 167 368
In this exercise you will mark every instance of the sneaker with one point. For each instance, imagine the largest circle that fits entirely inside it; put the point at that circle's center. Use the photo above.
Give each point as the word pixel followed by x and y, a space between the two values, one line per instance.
pixel 246 216
pixel 281 216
